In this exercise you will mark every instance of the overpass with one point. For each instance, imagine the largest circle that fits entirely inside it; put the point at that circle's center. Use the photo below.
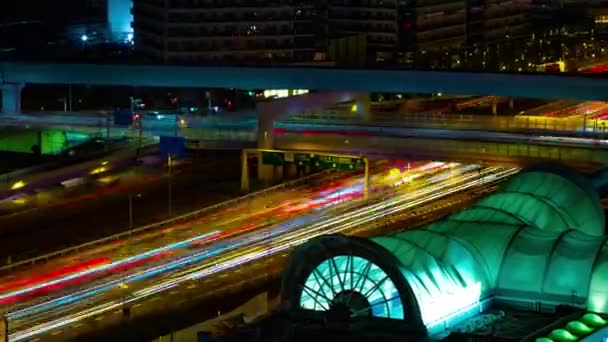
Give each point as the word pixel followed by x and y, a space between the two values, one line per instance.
pixel 471 147
pixel 506 140
pixel 14 76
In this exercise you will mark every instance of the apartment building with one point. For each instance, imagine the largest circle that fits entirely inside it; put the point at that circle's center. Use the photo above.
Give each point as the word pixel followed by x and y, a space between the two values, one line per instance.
pixel 224 31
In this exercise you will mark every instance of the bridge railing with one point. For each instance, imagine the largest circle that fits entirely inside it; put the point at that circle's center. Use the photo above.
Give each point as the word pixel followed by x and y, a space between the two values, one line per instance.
pixel 13 265
pixel 524 151
pixel 519 124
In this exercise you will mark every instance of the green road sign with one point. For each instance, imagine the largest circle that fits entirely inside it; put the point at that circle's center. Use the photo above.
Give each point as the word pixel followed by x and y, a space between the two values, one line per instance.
pixel 319 161
pixel 340 163
pixel 273 158
pixel 303 159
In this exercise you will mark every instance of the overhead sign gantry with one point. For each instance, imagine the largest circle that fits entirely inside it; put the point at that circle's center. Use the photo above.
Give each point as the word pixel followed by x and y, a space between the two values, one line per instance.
pixel 320 161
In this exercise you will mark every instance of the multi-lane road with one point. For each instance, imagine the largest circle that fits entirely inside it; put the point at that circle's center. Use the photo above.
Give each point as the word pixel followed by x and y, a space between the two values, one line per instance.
pixel 70 289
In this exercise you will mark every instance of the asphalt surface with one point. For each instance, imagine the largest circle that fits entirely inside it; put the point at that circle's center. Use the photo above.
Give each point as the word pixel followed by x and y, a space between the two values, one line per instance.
pixel 211 178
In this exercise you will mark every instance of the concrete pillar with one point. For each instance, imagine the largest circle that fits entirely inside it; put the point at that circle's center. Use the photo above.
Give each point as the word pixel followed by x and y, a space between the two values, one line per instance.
pixel 265 172
pixel 11 98
pixel 265 141
pixel 494 107
pixel 511 103
pixel 244 172
pixel 363 106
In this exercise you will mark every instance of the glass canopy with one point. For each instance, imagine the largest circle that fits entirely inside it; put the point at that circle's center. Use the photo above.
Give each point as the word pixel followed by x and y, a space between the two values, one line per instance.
pixel 538 240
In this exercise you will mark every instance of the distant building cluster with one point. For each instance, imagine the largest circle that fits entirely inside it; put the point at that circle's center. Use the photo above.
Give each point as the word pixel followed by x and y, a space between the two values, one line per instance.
pixel 493 35
pixel 202 31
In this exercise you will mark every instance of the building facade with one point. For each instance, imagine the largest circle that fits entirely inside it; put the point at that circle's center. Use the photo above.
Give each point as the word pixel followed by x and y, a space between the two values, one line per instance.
pixel 227 31
pixel 291 31
pixel 377 19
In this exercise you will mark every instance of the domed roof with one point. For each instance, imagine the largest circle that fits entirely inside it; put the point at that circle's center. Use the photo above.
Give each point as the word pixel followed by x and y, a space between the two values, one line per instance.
pixel 538 239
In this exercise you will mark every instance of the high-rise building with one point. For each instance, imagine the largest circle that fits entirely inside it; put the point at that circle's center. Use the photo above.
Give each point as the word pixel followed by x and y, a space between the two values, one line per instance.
pixel 224 31
pixel 119 20
pixel 291 31
pixel 506 19
pixel 377 19
pixel 440 24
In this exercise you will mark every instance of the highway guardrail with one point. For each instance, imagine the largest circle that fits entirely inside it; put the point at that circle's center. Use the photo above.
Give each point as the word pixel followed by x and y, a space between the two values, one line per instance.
pixel 190 215
pixel 520 123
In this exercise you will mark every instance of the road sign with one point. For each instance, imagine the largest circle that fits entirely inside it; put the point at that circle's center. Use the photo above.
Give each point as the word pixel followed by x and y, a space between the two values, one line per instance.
pixel 273 158
pixel 340 163
pixel 289 157
pixel 303 159
pixel 318 161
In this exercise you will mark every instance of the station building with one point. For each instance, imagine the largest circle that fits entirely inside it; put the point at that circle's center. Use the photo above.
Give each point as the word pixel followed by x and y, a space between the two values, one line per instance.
pixel 537 245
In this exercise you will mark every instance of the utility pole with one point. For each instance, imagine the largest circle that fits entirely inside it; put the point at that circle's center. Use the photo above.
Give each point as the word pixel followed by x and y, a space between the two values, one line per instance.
pixel 108 119
pixel 130 212
pixel 139 121
pixel 169 162
pixel 70 96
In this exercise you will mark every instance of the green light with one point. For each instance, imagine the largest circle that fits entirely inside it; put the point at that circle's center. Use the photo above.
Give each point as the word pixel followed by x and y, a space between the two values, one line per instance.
pixel 543 339
pixel 578 328
pixel 328 283
pixel 562 335
pixel 251 93
pixel 593 320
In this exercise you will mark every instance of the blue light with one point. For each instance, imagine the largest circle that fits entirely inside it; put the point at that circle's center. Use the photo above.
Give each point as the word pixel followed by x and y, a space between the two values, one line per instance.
pixel 84 37
pixel 120 19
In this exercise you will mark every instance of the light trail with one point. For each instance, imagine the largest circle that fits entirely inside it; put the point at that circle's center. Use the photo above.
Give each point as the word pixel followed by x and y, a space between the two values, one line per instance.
pixel 286 236
pixel 105 267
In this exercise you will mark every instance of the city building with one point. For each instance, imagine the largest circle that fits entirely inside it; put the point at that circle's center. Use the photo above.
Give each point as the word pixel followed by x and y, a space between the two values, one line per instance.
pixel 423 33
pixel 119 19
pixel 376 19
pixel 228 31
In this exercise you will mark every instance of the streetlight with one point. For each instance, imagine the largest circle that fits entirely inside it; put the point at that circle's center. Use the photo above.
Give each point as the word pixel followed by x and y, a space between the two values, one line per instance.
pixel 131 209
pixel 170 165
pixel 134 104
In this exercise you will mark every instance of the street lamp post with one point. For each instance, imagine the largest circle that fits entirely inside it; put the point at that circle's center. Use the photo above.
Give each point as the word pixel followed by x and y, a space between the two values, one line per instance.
pixel 169 185
pixel 140 120
pixel 131 210
pixel 585 122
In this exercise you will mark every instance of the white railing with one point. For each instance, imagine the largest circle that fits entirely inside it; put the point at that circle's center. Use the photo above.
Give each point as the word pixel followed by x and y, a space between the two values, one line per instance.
pixel 518 123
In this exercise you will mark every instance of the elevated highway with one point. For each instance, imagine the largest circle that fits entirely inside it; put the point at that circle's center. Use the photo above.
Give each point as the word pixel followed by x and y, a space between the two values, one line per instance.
pixel 510 140
pixel 477 147
pixel 14 76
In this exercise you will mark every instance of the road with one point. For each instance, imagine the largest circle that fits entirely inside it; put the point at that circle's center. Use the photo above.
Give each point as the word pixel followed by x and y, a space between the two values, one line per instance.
pixel 202 300
pixel 92 211
pixel 140 267
pixel 594 110
pixel 154 123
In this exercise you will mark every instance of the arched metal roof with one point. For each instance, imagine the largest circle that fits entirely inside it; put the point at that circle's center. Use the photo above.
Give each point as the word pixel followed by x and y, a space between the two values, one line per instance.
pixel 539 239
